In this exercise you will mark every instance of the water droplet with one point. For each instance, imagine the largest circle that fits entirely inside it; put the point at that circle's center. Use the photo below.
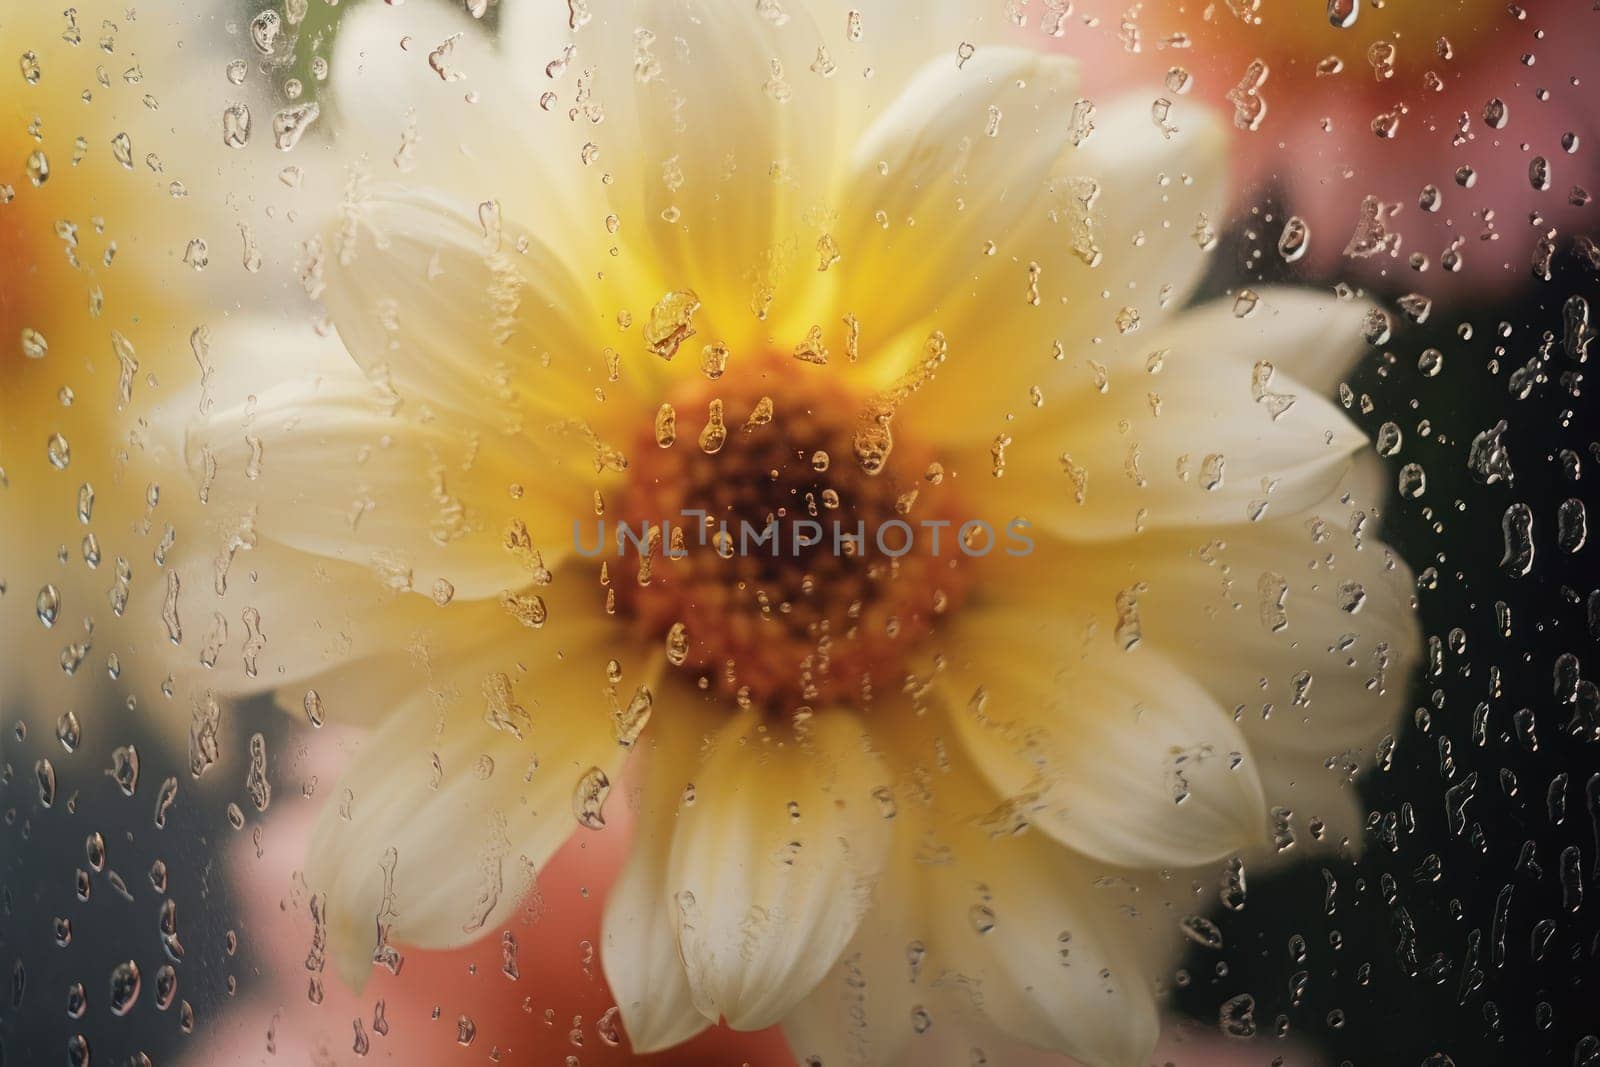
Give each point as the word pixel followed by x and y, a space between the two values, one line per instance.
pixel 290 124
pixel 666 426
pixel 589 797
pixel 1413 481
pixel 1295 239
pixel 630 720
pixel 44 773
pixel 313 707
pixel 38 167
pixel 671 322
pixel 1377 327
pixel 125 983
pixel 715 433
pixel 1488 458
pixel 48 605
pixel 264 29
pixel 714 360
pixel 58 452
pixel 236 125
pixel 166 797
pixel 34 346
pixel 256 783
pixel 122 150
pixel 1237 1016
pixel 125 769
pixel 1572 525
pixel 1539 173
pixel 1202 931
pixel 1517 527
pixel 1352 596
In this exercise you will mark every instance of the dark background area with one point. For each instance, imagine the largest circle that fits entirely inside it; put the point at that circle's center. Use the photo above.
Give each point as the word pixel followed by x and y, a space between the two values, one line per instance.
pixel 1478 945
pixel 45 857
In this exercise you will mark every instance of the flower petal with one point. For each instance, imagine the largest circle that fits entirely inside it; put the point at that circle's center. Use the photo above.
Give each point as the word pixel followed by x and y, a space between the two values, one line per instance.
pixel 258 616
pixel 773 863
pixel 1198 441
pixel 1309 336
pixel 713 175
pixel 1328 675
pixel 1026 930
pixel 450 306
pixel 979 940
pixel 1305 624
pixel 1104 254
pixel 1155 194
pixel 638 934
pixel 421 93
pixel 860 1014
pixel 1120 755
pixel 956 160
pixel 466 790
pixel 326 467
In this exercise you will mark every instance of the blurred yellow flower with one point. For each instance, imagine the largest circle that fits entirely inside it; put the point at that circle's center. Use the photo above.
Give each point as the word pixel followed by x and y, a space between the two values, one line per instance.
pixel 948 798
pixel 99 144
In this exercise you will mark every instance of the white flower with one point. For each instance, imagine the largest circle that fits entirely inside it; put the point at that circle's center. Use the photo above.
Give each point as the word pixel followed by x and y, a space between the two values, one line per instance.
pixel 906 807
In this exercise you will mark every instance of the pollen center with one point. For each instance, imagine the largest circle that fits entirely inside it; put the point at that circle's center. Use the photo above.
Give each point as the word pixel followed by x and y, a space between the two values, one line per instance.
pixel 778 568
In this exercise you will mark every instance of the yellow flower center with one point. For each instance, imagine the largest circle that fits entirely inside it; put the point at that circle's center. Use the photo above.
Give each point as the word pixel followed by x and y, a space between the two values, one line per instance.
pixel 789 574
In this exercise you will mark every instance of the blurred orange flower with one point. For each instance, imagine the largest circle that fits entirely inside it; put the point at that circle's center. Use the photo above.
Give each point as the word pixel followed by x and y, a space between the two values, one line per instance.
pixel 1452 138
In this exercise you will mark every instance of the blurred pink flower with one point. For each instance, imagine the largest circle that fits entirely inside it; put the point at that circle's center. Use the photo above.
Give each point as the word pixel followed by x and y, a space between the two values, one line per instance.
pixel 1452 138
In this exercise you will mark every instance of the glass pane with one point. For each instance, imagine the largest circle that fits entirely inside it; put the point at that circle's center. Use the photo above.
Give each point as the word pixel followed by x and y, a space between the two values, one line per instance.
pixel 781 532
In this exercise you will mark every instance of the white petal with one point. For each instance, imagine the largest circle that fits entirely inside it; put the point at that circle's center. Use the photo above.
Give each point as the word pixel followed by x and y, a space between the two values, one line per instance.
pixel 1305 631
pixel 860 1014
pixel 639 934
pixel 964 950
pixel 1350 627
pixel 898 38
pixel 1153 195
pixel 773 864
pixel 1189 445
pixel 714 175
pixel 1308 335
pixel 1034 311
pixel 326 467
pixel 1325 675
pixel 1315 806
pixel 420 93
pixel 314 624
pixel 1149 914
pixel 957 160
pixel 1053 970
pixel 1120 755
pixel 451 308
pixel 471 785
